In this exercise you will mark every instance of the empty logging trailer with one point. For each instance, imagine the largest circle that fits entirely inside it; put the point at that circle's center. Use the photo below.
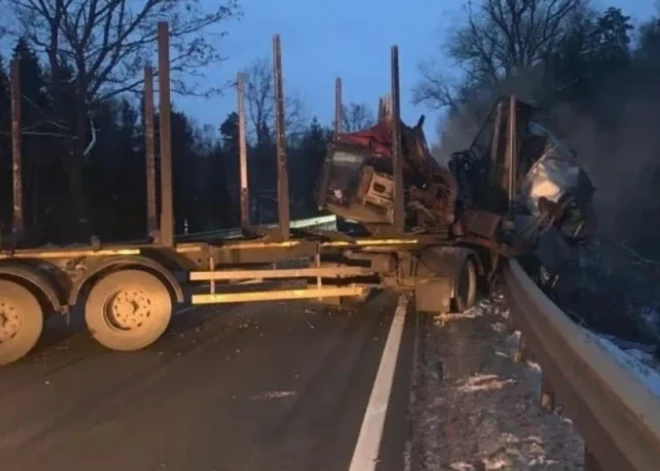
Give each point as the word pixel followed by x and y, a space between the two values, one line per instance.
pixel 128 291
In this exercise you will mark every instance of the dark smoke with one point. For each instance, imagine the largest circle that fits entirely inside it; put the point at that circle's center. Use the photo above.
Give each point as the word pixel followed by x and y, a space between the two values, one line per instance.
pixel 614 126
pixel 617 138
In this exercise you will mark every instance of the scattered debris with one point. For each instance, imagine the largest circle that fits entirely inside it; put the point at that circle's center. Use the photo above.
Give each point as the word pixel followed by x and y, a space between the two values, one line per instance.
pixel 475 408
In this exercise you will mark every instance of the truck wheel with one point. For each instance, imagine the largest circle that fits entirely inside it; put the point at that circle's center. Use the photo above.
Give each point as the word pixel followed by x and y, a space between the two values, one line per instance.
pixel 21 321
pixel 128 310
pixel 465 290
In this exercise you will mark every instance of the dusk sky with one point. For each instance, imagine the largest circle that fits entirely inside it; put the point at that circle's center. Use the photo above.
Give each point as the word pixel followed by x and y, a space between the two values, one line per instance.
pixel 348 38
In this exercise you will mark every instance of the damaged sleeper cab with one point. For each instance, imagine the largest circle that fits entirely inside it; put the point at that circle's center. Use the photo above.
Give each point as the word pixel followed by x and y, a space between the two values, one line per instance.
pixel 554 204
pixel 358 181
pixel 471 201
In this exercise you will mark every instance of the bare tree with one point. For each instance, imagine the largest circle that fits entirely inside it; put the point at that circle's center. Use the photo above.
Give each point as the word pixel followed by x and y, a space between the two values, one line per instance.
pixel 260 98
pixel 96 49
pixel 499 40
pixel 106 43
pixel 357 116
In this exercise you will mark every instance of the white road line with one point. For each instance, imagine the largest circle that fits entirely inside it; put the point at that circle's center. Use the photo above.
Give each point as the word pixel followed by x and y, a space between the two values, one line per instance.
pixel 365 455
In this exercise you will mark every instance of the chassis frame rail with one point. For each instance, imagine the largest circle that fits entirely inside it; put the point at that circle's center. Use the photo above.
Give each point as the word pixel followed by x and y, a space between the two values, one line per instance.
pixel 617 416
pixel 318 222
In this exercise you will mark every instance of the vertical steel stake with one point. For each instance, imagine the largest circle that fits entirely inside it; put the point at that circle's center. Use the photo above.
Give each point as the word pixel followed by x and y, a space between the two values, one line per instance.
pixel 399 209
pixel 18 223
pixel 166 208
pixel 282 172
pixel 150 147
pixel 242 141
pixel 339 107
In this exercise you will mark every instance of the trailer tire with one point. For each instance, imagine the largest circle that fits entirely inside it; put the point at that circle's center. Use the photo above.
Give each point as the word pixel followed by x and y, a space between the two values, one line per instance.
pixel 21 321
pixel 465 286
pixel 128 310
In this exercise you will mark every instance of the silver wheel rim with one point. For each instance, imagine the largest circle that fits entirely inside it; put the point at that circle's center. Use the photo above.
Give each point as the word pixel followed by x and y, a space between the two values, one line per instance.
pixel 127 309
pixel 10 320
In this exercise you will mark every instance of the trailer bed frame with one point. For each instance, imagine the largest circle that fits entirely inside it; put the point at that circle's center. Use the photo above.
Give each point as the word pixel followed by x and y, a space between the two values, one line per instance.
pixel 328 265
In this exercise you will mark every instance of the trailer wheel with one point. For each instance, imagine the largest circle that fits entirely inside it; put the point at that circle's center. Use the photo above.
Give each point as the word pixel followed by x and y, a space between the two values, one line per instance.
pixel 128 310
pixel 465 289
pixel 21 321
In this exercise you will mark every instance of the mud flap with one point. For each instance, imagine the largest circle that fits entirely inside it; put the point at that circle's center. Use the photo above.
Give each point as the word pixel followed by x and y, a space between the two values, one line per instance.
pixel 436 273
pixel 433 295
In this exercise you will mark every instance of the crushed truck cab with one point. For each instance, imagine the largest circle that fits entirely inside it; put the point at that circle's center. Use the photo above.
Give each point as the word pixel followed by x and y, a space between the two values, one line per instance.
pixel 516 187
pixel 358 182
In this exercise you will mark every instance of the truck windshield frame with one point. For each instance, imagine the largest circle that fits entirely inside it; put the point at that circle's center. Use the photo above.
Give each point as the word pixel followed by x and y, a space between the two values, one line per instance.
pixel 346 163
pixel 348 158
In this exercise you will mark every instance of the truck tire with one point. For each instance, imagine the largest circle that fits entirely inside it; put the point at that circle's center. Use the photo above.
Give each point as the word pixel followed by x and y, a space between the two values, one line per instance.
pixel 21 321
pixel 465 287
pixel 128 310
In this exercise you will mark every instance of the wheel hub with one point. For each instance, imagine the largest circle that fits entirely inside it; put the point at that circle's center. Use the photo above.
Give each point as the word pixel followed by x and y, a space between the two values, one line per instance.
pixel 128 309
pixel 10 321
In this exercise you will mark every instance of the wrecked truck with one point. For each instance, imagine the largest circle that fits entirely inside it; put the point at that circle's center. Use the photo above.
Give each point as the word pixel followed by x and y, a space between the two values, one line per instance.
pixel 431 230
pixel 516 190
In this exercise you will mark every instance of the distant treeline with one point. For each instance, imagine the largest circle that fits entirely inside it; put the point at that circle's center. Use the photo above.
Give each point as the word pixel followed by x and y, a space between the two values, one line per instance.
pixel 113 175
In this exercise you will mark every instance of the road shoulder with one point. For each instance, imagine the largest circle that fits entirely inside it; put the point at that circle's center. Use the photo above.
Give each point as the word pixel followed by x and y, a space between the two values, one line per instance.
pixel 475 408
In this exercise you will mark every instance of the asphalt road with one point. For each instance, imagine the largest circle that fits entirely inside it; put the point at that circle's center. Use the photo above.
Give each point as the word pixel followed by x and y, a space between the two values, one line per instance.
pixel 249 387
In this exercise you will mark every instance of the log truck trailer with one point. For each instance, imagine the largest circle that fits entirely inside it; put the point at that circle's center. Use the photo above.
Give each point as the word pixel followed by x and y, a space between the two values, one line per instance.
pixel 428 230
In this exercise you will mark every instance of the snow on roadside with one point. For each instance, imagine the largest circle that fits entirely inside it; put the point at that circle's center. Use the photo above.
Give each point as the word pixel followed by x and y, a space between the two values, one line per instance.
pixel 641 365
pixel 475 408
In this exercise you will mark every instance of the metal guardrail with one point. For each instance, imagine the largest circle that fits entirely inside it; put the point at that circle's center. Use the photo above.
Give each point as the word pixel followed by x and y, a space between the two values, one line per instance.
pixel 617 416
pixel 324 222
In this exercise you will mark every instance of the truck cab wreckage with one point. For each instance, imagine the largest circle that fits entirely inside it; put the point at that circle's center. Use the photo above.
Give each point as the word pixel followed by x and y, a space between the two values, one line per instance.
pixel 514 184
pixel 434 231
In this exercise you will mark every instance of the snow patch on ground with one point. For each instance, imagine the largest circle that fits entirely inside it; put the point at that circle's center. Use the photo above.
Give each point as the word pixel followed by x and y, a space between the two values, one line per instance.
pixel 272 395
pixel 476 408
pixel 481 382
pixel 641 365
pixel 650 317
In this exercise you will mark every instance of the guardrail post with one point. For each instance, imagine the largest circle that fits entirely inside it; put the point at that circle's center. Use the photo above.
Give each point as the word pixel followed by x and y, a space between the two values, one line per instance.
pixel 547 394
pixel 590 461
pixel 511 320
pixel 523 350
